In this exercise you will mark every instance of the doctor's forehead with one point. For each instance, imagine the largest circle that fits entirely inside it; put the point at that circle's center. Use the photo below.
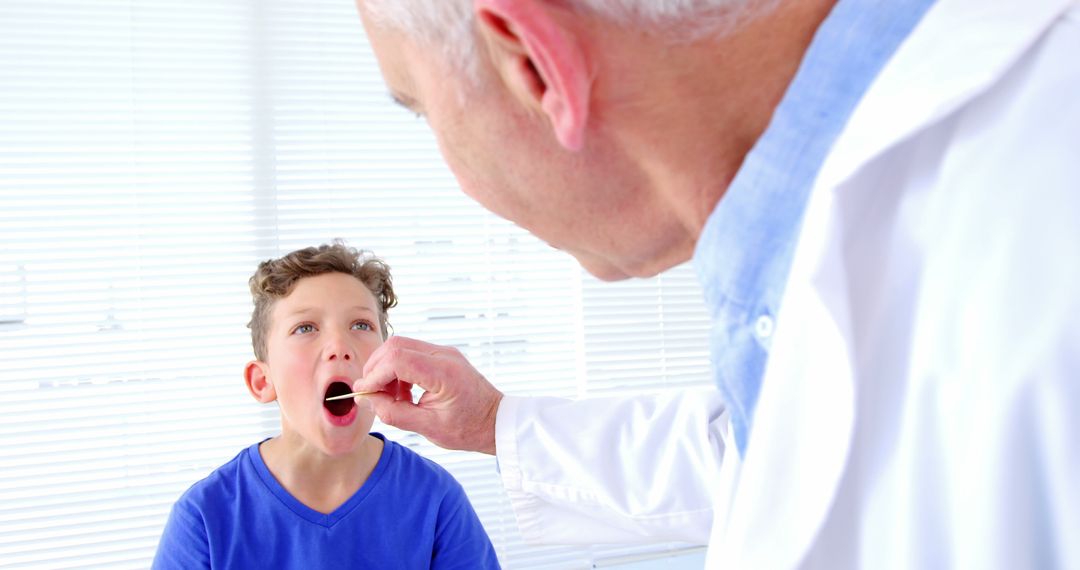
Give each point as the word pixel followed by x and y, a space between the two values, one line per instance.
pixel 398 57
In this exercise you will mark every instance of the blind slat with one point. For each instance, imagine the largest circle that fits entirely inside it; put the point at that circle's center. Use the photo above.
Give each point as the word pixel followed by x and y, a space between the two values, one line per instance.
pixel 152 153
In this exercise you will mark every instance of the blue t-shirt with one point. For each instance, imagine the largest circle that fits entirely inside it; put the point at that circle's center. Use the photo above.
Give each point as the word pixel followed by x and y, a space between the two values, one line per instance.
pixel 410 513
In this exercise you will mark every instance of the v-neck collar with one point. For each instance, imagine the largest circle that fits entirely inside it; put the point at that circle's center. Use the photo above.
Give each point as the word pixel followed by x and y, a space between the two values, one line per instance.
pixel 307 513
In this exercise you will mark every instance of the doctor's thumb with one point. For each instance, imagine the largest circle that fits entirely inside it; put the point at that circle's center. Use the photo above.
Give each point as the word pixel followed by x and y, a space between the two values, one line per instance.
pixel 401 414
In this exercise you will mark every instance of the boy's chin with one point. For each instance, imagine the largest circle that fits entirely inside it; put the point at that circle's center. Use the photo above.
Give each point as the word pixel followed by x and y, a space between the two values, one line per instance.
pixel 346 441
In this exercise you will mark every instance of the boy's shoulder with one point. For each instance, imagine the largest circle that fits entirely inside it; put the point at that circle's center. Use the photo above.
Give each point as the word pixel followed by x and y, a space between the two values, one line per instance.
pixel 414 466
pixel 221 483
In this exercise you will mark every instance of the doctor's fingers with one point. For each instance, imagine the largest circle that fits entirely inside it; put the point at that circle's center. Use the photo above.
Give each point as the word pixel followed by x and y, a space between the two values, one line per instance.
pixel 463 405
pixel 402 414
pixel 459 423
pixel 426 365
pixel 396 389
pixel 395 344
pixel 464 421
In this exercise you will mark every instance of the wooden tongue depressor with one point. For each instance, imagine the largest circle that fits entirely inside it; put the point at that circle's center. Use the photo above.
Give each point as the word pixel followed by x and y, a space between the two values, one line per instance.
pixel 349 395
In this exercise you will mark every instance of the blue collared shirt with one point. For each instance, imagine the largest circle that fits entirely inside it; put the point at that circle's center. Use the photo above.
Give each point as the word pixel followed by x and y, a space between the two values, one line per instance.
pixel 744 253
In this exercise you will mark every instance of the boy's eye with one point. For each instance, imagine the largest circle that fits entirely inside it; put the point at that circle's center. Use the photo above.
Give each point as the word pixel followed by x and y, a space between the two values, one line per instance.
pixel 304 329
pixel 361 326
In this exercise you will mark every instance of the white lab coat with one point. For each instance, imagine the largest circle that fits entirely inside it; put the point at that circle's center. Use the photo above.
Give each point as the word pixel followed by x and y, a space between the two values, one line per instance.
pixel 921 407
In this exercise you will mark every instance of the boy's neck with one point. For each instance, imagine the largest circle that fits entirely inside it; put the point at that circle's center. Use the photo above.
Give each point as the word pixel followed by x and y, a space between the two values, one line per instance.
pixel 321 482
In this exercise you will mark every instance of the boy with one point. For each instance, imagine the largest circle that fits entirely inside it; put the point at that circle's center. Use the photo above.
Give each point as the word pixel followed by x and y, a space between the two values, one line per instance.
pixel 325 493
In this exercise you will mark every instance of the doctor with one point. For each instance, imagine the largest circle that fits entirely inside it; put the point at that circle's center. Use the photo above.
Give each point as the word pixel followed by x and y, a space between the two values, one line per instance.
pixel 882 201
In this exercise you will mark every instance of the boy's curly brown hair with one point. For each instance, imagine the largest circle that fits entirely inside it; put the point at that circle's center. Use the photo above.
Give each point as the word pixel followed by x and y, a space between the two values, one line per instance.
pixel 275 279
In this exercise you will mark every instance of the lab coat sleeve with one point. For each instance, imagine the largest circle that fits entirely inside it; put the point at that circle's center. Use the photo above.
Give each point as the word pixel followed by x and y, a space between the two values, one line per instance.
pixel 613 469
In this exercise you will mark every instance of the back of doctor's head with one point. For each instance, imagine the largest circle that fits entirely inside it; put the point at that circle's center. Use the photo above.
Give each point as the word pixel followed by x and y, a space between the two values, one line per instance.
pixel 448 24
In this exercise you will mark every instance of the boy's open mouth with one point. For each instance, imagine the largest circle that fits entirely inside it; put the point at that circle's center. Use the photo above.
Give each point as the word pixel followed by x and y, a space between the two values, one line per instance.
pixel 339 407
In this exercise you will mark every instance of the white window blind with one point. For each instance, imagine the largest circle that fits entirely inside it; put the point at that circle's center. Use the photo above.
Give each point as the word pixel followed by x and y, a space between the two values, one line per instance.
pixel 152 152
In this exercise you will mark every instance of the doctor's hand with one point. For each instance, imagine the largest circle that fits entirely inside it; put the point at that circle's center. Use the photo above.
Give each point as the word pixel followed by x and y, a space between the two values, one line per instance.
pixel 458 407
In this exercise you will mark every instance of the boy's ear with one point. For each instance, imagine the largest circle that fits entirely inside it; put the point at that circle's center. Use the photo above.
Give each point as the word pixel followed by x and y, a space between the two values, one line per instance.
pixel 541 62
pixel 258 382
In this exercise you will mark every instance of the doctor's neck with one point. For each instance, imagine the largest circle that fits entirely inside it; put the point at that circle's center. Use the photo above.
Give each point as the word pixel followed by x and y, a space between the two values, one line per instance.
pixel 711 98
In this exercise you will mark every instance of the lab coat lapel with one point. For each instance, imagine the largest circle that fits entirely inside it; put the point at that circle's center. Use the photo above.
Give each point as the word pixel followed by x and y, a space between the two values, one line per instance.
pixel 958 50
pixel 802 426
pixel 802 432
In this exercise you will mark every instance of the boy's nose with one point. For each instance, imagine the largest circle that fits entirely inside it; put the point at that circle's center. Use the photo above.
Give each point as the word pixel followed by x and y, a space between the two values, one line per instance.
pixel 342 354
pixel 338 349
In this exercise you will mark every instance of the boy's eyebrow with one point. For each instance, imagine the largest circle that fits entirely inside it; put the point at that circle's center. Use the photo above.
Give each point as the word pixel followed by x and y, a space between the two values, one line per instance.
pixel 304 310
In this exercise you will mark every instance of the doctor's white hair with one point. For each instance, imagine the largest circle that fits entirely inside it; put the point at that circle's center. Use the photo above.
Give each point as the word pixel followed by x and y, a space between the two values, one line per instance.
pixel 448 24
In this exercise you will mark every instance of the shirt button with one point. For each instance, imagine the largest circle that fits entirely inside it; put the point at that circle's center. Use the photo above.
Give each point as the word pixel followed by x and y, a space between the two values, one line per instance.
pixel 764 327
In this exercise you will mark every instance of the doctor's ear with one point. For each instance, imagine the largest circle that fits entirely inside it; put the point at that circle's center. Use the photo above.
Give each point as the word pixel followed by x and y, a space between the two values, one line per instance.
pixel 258 382
pixel 540 61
